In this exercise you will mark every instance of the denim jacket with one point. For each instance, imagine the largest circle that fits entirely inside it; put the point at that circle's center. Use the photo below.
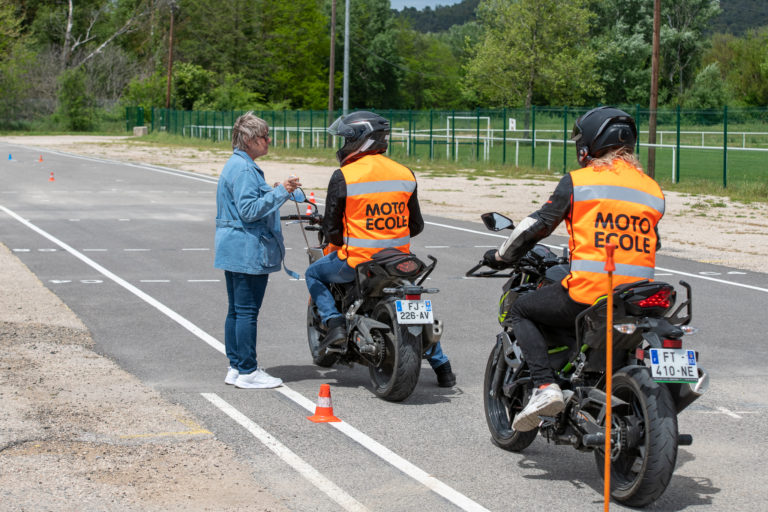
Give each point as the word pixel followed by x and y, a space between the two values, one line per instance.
pixel 248 237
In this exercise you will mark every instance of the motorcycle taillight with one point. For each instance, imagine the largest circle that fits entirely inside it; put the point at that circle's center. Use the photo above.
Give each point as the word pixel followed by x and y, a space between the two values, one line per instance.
pixel 670 343
pixel 412 297
pixel 407 266
pixel 659 299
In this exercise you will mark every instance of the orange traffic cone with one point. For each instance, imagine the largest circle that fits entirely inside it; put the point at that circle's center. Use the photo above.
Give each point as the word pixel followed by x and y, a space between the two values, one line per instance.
pixel 41 158
pixel 309 210
pixel 312 197
pixel 324 409
pixel 51 178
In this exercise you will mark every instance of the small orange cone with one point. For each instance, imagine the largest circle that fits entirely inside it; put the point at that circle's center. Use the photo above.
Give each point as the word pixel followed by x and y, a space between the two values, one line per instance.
pixel 312 197
pixel 309 210
pixel 41 158
pixel 51 178
pixel 324 409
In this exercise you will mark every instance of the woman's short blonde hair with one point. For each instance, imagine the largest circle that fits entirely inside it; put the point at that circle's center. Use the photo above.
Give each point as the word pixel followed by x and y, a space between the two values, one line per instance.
pixel 623 153
pixel 248 128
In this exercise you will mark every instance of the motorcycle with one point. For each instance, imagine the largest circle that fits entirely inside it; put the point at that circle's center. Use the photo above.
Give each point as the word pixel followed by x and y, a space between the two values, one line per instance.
pixel 389 325
pixel 654 377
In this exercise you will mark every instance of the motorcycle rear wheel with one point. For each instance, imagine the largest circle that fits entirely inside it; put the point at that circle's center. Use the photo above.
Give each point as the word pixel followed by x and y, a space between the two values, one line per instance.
pixel 500 410
pixel 315 336
pixel 640 474
pixel 395 376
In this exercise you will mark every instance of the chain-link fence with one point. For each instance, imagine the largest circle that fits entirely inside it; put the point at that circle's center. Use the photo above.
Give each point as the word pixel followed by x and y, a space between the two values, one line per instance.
pixel 714 145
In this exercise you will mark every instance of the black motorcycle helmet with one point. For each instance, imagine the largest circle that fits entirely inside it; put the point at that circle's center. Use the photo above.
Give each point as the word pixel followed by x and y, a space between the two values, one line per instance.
pixel 601 130
pixel 365 133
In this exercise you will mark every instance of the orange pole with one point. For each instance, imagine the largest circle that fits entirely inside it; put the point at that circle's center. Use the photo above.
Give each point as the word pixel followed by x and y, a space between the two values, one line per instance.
pixel 610 266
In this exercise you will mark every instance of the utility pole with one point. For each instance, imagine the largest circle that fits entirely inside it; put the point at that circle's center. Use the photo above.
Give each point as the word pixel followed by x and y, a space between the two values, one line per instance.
pixel 170 63
pixel 332 70
pixel 346 59
pixel 651 168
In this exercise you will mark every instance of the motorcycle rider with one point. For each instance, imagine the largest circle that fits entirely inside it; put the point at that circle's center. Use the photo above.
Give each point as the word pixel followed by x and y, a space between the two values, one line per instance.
pixel 371 204
pixel 608 201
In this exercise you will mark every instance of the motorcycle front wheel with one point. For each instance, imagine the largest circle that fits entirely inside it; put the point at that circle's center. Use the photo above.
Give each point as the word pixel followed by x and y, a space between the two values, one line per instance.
pixel 315 336
pixel 396 372
pixel 500 410
pixel 645 441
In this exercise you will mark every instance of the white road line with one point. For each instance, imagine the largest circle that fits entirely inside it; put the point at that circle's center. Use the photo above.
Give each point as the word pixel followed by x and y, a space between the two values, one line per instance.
pixel 728 413
pixel 392 458
pixel 196 249
pixel 698 276
pixel 135 250
pixel 94 250
pixel 436 246
pixel 306 470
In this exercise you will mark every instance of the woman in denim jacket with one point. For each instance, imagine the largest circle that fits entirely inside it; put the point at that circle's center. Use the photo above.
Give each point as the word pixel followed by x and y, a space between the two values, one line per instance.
pixel 249 245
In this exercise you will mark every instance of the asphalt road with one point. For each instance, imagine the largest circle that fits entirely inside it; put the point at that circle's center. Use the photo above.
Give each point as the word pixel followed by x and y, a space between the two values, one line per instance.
pixel 129 248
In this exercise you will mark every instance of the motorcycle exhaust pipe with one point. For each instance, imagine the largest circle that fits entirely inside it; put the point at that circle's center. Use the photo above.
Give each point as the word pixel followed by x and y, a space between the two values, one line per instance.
pixel 685 394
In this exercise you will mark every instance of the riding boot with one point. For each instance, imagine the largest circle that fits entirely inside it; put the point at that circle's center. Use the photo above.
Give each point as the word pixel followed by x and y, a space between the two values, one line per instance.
pixel 445 376
pixel 337 331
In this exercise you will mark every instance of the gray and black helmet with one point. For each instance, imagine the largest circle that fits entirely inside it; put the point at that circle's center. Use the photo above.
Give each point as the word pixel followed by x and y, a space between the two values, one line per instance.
pixel 365 133
pixel 600 130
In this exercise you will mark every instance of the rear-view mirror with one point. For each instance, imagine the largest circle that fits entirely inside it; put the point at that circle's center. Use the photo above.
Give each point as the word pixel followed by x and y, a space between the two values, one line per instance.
pixel 496 221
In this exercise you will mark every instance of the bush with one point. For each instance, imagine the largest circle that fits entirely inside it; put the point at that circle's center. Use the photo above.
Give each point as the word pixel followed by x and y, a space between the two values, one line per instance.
pixel 76 109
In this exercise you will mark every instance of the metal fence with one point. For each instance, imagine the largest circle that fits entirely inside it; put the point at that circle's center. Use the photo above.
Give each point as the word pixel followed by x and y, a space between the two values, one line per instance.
pixel 715 145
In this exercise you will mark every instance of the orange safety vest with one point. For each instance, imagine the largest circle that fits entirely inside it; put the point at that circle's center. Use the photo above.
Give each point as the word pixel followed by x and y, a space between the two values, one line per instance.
pixel 616 204
pixel 376 210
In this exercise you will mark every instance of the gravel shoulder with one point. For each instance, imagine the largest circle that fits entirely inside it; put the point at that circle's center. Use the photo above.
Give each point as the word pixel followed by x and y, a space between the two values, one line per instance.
pixel 79 433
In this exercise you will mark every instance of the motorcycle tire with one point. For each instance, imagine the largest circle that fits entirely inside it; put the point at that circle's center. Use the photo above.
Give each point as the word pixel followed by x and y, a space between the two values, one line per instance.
pixel 500 410
pixel 640 474
pixel 315 336
pixel 395 376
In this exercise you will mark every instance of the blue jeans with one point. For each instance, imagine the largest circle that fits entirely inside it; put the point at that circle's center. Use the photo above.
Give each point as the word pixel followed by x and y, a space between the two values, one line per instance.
pixel 328 269
pixel 245 293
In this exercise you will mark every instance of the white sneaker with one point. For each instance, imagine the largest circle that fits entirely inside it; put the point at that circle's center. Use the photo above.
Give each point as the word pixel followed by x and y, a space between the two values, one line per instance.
pixel 258 379
pixel 231 377
pixel 543 402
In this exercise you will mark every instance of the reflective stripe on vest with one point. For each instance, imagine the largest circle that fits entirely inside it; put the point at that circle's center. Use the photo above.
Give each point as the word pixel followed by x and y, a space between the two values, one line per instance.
pixel 617 205
pixel 376 210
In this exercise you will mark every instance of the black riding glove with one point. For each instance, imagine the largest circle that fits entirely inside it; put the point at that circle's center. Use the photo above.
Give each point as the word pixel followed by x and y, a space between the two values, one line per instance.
pixel 489 260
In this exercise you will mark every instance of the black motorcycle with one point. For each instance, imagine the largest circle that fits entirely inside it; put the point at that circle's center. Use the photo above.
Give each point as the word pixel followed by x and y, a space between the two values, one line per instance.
pixel 389 325
pixel 654 377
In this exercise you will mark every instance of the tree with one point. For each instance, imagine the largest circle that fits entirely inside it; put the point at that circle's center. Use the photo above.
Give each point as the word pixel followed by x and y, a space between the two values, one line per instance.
pixel 528 52
pixel 375 65
pixel 15 62
pixel 279 49
pixel 709 90
pixel 75 104
pixel 191 85
pixel 430 72
pixel 683 22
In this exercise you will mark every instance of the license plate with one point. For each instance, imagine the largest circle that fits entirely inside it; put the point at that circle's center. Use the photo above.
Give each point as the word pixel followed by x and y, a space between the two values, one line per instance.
pixel 414 311
pixel 674 365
